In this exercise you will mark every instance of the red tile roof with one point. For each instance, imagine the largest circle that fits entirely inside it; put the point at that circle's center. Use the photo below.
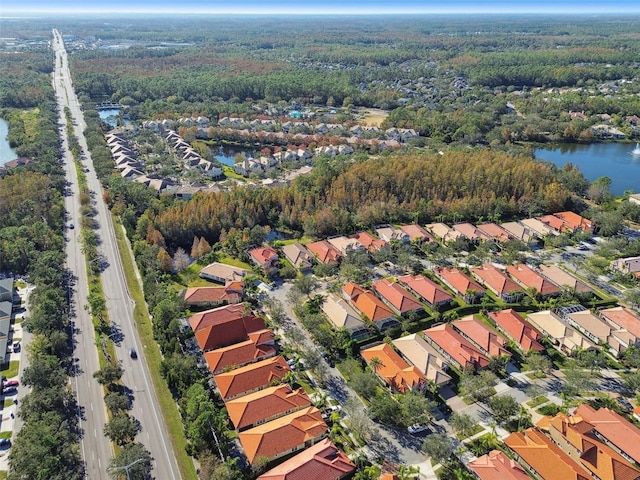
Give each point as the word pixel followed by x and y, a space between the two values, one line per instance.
pixel 495 231
pixel 322 461
pixel 495 279
pixel 623 318
pixel 455 346
pixel 263 255
pixel 269 403
pixel 474 329
pixel 459 281
pixel 529 278
pixel 417 233
pixel 495 465
pixel 224 326
pixel 394 370
pixel 283 434
pixel 324 252
pixel 518 329
pixel 469 231
pixel 430 291
pixel 239 354
pixel 254 376
pixel 371 243
pixel 396 296
pixel 205 295
pixel 554 222
pixel 575 221
pixel 367 303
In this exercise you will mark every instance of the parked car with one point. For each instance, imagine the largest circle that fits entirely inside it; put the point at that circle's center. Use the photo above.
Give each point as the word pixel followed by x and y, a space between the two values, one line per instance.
pixel 16 346
pixel 417 428
pixel 71 226
pixel 10 383
pixel 132 353
pixel 5 442
pixel 9 390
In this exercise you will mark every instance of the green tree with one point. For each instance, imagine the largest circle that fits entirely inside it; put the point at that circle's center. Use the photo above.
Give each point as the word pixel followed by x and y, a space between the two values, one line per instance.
pixel 109 374
pixel 478 386
pixel 537 363
pixel 462 423
pixel 504 407
pixel 116 402
pixel 128 454
pixel 122 428
pixel 438 447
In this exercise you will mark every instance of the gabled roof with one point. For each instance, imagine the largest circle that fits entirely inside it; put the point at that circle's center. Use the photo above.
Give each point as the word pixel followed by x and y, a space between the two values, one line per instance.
pixel 370 242
pixel 341 314
pixel 297 255
pixel 217 270
pixel 367 303
pixel 224 326
pixel 417 233
pixel 519 231
pixel 575 221
pixel 544 456
pixel 324 252
pixel 495 465
pixel 425 358
pixel 554 222
pixel 455 346
pixel 263 255
pixel 495 231
pixel 251 377
pixel 529 278
pixel 345 245
pixel 200 295
pixel 565 279
pixel 490 342
pixel 591 323
pixel 538 228
pixel 443 231
pixel 322 461
pixel 278 436
pixel 396 296
pixel 470 231
pixel 495 279
pixel 395 371
pixel 515 326
pixel 459 281
pixel 430 291
pixel 567 337
pixel 623 318
pixel 239 354
pixel 265 404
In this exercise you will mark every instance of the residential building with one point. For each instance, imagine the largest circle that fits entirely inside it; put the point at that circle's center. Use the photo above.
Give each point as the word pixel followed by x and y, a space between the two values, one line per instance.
pixel 554 222
pixel 496 281
pixel 489 342
pixel 214 296
pixel 389 233
pixel 223 273
pixel 265 405
pixel 443 231
pixel 5 325
pixel 324 252
pixel 396 297
pixel 6 289
pixel 251 378
pixel 345 245
pixel 622 318
pixel 369 305
pixel 393 369
pixel 519 231
pixel 614 430
pixel 417 233
pixel 560 333
pixel 342 315
pixel 460 283
pixel 495 232
pixel 424 357
pixel 322 461
pixel 543 458
pixel 514 326
pixel 627 265
pixel 224 326
pixel 298 256
pixel 265 258
pixel 635 198
pixel 495 465
pixel 283 435
pixel 470 232
pixel 527 277
pixel 431 292
pixel 538 228
pixel 565 279
pixel 575 222
pixel 260 346
pixel 370 242
pixel 455 348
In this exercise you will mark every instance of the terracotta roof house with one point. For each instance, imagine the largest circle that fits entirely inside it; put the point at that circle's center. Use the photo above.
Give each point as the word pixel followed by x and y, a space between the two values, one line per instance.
pixel 538 228
pixel 526 276
pixel 495 465
pixel 560 333
pixel 424 357
pixel 431 292
pixel 370 242
pixel 283 435
pixel 543 457
pixel 513 325
pixel 613 429
pixel 265 258
pixel 389 233
pixel 622 318
pixel 324 252
pixel 298 256
pixel 369 305
pixel 443 231
pixel 626 265
pixel 495 232
pixel 555 223
pixel 322 461
pixel 578 440
pixel 575 222
pixel 396 297
pixel 480 335
pixel 460 283
pixel 417 233
pixel 259 347
pixel 496 281
pixel 251 378
pixel 224 326
pixel 6 289
pixel 519 231
pixel 223 273
pixel 470 232
pixel 343 315
pixel 395 371
pixel 563 278
pixel 345 245
pixel 454 347
pixel 214 296
pixel 265 405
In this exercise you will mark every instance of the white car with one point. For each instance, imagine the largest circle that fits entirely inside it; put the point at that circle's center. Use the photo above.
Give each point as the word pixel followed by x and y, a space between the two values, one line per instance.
pixel 417 428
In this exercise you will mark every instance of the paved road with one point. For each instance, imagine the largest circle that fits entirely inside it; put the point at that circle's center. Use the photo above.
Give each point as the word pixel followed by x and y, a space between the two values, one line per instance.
pixel 120 308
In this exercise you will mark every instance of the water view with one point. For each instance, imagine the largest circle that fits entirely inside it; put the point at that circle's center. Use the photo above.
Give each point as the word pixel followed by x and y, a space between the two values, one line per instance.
pixel 226 154
pixel 618 161
pixel 6 153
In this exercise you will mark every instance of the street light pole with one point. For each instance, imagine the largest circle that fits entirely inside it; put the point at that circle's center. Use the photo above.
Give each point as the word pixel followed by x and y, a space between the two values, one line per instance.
pixel 127 467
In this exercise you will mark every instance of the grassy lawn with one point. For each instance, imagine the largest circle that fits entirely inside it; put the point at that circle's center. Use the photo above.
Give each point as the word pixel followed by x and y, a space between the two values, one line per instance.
pixel 3 474
pixel 10 370
pixel 234 262
pixel 477 428
pixel 153 356
pixel 229 172
pixel 7 403
pixel 539 400
pixel 6 434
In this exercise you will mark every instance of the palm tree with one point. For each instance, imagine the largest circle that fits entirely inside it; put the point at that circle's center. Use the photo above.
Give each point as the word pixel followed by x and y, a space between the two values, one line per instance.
pixel 374 364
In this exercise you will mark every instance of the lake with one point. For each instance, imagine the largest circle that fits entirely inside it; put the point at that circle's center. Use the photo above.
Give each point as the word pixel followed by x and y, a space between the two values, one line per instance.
pixel 6 153
pixel 613 160
pixel 225 154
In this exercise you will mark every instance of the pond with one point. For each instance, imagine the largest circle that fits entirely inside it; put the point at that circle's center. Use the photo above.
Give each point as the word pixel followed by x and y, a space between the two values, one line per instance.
pixel 225 154
pixel 618 161
pixel 6 152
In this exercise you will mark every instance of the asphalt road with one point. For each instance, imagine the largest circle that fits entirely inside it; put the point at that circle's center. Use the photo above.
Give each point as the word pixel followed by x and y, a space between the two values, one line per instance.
pixel 136 376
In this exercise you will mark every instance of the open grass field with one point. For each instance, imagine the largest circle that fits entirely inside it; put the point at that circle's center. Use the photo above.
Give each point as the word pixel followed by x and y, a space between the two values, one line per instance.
pixel 373 117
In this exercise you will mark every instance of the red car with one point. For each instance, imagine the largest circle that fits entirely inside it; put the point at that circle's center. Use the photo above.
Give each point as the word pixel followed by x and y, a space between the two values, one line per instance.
pixel 10 383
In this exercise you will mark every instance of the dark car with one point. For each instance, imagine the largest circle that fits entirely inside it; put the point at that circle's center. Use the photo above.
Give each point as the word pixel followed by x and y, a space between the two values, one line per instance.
pixel 132 353
pixel 5 442
pixel 71 226
pixel 8 390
